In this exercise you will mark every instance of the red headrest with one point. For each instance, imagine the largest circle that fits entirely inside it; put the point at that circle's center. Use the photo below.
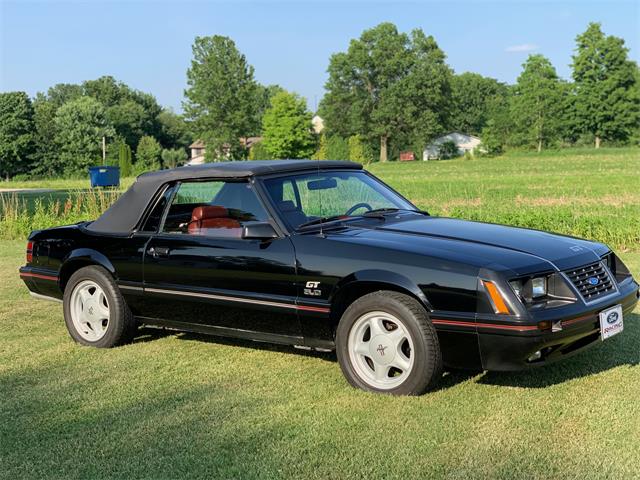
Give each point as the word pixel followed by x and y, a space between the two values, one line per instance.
pixel 210 211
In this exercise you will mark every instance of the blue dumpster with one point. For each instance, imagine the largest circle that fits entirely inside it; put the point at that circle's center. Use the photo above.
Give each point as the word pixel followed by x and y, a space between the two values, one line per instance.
pixel 104 176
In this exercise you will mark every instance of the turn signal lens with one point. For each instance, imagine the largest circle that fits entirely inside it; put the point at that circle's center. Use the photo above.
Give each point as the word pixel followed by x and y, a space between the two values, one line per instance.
pixel 499 305
pixel 29 252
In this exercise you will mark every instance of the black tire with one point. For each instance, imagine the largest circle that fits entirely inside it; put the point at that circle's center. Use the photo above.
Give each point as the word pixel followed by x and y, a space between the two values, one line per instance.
pixel 427 357
pixel 121 327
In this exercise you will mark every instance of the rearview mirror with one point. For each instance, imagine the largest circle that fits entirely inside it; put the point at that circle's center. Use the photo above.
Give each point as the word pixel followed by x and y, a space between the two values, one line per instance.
pixel 323 184
pixel 258 230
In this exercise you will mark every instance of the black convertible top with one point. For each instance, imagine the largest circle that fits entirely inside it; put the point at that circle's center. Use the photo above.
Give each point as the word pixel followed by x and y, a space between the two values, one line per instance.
pixel 124 214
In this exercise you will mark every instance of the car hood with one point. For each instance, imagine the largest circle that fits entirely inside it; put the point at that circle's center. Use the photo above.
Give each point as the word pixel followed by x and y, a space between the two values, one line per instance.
pixel 502 243
pixel 498 247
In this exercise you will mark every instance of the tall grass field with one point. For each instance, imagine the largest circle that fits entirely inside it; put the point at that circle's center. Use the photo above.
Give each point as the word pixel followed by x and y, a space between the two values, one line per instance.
pixel 591 194
pixel 173 406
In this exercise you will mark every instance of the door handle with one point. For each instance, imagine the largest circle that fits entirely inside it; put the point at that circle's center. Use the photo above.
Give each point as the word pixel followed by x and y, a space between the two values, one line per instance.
pixel 156 252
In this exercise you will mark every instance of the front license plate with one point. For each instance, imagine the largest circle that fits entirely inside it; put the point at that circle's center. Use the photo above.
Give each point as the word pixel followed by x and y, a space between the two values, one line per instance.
pixel 611 322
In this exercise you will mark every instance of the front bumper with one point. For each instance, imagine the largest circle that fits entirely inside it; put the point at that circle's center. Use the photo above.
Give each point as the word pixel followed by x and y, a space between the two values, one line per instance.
pixel 580 330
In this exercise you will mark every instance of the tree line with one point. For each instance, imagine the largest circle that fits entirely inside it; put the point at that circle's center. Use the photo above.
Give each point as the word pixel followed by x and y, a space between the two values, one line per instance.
pixel 60 132
pixel 389 91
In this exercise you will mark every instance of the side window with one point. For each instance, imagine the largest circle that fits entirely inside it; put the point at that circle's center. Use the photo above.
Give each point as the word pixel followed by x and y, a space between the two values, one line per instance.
pixel 155 217
pixel 213 208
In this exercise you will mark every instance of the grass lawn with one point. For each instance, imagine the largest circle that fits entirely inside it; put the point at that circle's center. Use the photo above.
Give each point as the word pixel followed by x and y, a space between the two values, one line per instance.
pixel 182 405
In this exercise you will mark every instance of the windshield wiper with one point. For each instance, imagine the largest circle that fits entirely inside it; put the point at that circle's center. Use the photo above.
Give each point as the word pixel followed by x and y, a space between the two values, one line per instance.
pixel 318 221
pixel 380 212
pixel 376 213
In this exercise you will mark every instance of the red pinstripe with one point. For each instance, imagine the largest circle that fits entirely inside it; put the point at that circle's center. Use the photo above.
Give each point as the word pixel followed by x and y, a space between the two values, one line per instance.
pixel 38 275
pixel 462 323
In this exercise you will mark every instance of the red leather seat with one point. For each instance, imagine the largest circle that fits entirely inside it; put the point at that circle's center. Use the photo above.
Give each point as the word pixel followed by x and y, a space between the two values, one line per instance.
pixel 215 221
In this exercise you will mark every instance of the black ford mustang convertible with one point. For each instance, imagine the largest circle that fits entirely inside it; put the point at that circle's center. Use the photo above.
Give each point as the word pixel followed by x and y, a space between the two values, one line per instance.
pixel 324 256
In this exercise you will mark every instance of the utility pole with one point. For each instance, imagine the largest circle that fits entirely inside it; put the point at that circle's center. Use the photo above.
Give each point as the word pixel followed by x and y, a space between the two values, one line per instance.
pixel 104 151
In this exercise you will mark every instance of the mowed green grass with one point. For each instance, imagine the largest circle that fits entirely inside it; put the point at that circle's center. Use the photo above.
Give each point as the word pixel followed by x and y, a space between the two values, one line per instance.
pixel 180 405
pixel 187 406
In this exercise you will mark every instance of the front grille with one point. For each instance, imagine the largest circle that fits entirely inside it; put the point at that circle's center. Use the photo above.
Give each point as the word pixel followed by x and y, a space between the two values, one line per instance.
pixel 580 279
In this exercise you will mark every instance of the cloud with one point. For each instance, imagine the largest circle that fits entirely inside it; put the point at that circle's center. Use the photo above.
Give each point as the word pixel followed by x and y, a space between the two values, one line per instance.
pixel 525 47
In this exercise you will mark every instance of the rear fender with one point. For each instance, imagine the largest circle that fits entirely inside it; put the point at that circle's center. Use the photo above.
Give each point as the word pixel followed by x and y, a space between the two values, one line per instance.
pixel 83 257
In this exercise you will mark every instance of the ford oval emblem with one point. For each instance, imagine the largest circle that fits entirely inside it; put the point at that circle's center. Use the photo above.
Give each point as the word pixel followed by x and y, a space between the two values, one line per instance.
pixel 612 318
pixel 593 280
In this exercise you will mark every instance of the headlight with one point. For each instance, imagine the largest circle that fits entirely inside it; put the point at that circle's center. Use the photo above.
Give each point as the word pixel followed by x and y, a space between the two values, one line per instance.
pixel 538 287
pixel 530 288
pixel 549 290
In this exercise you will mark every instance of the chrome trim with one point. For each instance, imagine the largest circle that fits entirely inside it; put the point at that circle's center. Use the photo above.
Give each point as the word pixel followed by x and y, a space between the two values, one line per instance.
pixel 45 297
pixel 222 297
pixel 131 287
pixel 614 283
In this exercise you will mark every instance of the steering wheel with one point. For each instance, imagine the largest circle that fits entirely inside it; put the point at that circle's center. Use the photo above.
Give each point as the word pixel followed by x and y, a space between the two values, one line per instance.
pixel 357 206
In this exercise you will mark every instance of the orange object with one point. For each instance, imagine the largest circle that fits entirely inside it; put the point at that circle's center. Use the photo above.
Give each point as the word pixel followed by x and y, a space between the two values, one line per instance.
pixel 498 302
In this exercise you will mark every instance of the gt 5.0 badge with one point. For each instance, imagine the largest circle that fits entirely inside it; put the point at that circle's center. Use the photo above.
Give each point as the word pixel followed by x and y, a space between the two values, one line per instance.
pixel 312 289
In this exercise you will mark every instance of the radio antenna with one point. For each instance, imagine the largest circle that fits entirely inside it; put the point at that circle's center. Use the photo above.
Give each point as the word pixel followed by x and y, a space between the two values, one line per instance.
pixel 320 199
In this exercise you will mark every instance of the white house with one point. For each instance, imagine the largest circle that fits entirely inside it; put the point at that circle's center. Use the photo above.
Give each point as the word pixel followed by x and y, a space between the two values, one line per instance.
pixel 197 149
pixel 317 123
pixel 464 142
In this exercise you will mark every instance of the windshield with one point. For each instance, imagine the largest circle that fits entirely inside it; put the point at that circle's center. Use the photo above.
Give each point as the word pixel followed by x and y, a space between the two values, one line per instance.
pixel 301 199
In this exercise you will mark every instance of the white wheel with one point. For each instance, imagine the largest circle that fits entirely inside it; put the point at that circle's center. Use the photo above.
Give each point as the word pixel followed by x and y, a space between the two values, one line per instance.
pixel 380 349
pixel 89 310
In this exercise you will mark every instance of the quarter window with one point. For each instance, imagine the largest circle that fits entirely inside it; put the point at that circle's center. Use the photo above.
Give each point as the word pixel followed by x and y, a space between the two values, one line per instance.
pixel 213 208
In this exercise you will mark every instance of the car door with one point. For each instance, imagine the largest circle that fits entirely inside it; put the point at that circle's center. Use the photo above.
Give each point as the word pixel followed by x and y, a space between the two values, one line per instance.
pixel 199 271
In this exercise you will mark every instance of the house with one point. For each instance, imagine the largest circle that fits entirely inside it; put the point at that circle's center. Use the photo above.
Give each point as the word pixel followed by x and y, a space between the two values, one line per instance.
pixel 317 123
pixel 464 142
pixel 198 149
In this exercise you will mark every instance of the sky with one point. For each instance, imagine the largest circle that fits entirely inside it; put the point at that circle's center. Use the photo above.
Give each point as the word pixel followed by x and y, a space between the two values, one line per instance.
pixel 147 44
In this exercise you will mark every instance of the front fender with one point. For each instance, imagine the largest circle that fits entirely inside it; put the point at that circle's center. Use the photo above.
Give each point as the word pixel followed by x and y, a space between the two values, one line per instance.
pixel 383 278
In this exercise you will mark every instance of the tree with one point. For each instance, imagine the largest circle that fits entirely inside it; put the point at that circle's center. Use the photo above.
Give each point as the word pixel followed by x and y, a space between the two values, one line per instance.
pixel 16 132
pixel 607 102
pixel 173 131
pixel 222 95
pixel 337 148
pixel 321 152
pixel 358 151
pixel 388 84
pixel 124 159
pixel 80 126
pixel 45 159
pixel 471 97
pixel 536 102
pixel 286 127
pixel 496 134
pixel 172 158
pixel 130 121
pixel 148 154
pixel 62 93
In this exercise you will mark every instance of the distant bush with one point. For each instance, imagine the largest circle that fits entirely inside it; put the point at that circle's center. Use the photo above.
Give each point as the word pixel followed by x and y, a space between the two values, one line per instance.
pixel 173 157
pixel 259 152
pixel 448 150
pixel 147 155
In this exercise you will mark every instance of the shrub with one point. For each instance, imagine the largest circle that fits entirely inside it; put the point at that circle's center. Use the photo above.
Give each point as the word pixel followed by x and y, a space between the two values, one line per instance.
pixel 147 155
pixel 359 151
pixel 124 159
pixel 259 152
pixel 173 157
pixel 448 150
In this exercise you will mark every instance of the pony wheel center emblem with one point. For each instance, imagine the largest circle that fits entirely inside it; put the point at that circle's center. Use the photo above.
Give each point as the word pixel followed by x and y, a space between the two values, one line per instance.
pixel 381 350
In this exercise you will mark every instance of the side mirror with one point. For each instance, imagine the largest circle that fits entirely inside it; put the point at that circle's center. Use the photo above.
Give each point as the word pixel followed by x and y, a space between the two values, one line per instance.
pixel 259 231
